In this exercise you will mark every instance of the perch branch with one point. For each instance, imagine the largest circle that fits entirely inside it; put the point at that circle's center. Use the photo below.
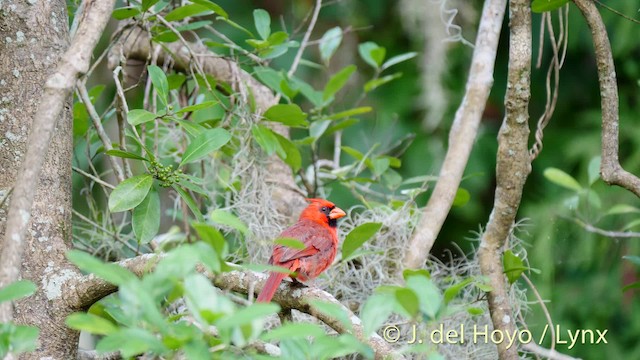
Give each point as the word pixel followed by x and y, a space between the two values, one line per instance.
pixel 512 168
pixel 610 169
pixel 57 89
pixel 83 291
pixel 534 348
pixel 462 135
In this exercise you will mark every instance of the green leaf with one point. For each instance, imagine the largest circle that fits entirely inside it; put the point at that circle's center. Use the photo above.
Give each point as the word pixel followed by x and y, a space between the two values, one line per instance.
pixel 563 179
pixel 475 311
pixel 262 21
pixel 247 315
pixel 176 80
pixel 632 258
pixel 375 312
pixel 358 236
pixel 398 59
pixel 184 11
pixel 130 342
pixel 125 12
pixel 147 4
pixel 107 271
pixel 287 114
pixel 540 6
pixel 634 285
pixel 265 138
pixel 125 154
pixel 146 218
pixel 338 81
pixel 333 310
pixel 202 105
pixel 293 331
pixel 513 266
pixel 17 290
pixel 428 294
pixel 90 323
pixel 213 7
pixel 189 201
pixel 380 165
pixel 350 112
pixel 454 289
pixel 408 300
pixel 160 83
pixel 462 197
pixel 329 43
pixel 140 116
pixel 205 143
pixel 372 54
pixel 17 338
pixel 211 236
pixel 290 243
pixel 377 82
pixel 130 193
pixel 293 157
pixel 594 170
pixel 222 217
pixel 407 273
pixel 622 209
pixel 318 128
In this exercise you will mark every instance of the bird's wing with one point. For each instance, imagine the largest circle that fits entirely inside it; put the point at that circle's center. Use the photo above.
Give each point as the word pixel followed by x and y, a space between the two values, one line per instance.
pixel 316 238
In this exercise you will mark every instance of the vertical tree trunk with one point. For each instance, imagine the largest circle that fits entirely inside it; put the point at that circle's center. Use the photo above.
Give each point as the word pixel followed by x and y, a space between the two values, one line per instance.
pixel 33 36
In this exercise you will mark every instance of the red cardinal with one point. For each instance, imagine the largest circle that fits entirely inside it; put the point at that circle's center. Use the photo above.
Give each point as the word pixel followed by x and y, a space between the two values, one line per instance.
pixel 316 228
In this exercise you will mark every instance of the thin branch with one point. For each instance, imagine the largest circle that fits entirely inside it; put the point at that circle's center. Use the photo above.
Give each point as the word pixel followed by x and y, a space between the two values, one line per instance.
pixel 57 89
pixel 97 124
pixel 462 135
pixel 608 233
pixel 92 177
pixel 513 166
pixel 83 291
pixel 547 315
pixel 610 169
pixel 305 38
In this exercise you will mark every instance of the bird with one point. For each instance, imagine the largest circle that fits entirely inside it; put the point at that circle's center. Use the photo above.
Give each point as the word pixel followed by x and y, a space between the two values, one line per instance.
pixel 317 230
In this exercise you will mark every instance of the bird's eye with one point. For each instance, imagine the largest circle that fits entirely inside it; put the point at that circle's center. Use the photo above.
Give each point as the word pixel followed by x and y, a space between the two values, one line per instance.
pixel 325 209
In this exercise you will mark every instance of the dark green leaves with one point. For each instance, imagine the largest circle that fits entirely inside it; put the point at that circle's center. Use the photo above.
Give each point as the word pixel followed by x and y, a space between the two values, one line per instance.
pixel 357 237
pixel 539 6
pixel 287 114
pixel 338 81
pixel 513 266
pixel 130 193
pixel 160 83
pixel 372 54
pixel 204 144
pixel 146 217
pixel 140 116
pixel 17 290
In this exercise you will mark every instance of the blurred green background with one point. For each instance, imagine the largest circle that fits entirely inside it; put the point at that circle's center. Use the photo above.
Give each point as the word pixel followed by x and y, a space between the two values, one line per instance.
pixel 581 273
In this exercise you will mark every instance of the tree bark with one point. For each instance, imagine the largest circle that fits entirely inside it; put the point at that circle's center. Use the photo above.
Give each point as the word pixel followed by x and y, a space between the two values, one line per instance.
pixel 35 35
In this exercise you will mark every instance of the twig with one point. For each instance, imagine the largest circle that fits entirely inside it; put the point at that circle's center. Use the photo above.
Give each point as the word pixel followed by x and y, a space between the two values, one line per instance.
pixel 57 89
pixel 610 169
pixel 462 135
pixel 305 39
pixel 97 123
pixel 608 233
pixel 513 166
pixel 544 310
pixel 122 111
pixel 109 232
pixel 92 177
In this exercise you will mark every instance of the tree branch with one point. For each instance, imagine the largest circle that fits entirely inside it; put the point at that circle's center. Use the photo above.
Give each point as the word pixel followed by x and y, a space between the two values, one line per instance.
pixel 610 169
pixel 80 292
pixel 136 44
pixel 512 168
pixel 462 135
pixel 57 89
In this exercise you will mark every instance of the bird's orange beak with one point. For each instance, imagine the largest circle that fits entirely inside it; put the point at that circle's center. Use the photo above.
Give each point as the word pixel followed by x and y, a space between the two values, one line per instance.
pixel 336 213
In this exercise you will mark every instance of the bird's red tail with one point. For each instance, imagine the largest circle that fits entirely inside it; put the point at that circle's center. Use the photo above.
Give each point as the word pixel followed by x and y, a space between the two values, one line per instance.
pixel 275 278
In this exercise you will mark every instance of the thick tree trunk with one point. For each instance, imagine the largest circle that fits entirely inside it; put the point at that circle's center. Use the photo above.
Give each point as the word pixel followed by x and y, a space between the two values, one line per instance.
pixel 34 35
